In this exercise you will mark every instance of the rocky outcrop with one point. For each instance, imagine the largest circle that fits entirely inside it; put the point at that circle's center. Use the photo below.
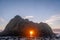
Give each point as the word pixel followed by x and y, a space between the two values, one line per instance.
pixel 19 27
pixel 45 29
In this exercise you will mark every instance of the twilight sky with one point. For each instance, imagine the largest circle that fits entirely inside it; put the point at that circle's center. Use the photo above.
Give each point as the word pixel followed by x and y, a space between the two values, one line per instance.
pixel 47 11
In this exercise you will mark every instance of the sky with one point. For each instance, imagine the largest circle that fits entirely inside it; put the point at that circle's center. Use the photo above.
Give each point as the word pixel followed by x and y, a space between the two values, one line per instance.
pixel 47 11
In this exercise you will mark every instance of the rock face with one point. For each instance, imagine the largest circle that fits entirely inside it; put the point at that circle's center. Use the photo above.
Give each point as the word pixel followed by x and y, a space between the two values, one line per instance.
pixel 19 27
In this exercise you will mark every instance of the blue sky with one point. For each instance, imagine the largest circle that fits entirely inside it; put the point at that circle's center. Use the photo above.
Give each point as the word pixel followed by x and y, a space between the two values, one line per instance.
pixel 35 10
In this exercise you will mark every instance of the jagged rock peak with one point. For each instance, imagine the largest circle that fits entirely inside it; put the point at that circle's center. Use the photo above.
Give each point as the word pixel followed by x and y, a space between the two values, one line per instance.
pixel 17 16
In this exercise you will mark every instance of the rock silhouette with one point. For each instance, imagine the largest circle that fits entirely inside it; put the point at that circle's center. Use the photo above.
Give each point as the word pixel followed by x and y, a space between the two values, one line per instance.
pixel 19 27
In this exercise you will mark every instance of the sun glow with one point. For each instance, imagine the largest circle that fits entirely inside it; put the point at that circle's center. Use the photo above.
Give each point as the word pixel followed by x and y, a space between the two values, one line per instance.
pixel 31 33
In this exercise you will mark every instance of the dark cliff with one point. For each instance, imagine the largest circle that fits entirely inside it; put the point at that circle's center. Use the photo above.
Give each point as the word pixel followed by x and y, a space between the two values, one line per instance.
pixel 19 26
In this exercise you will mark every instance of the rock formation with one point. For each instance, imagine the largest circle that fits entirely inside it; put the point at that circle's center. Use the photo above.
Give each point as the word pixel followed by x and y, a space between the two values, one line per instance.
pixel 19 27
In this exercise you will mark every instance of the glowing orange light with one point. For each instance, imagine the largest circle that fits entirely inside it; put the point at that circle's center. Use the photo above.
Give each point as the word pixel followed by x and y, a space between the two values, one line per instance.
pixel 31 33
